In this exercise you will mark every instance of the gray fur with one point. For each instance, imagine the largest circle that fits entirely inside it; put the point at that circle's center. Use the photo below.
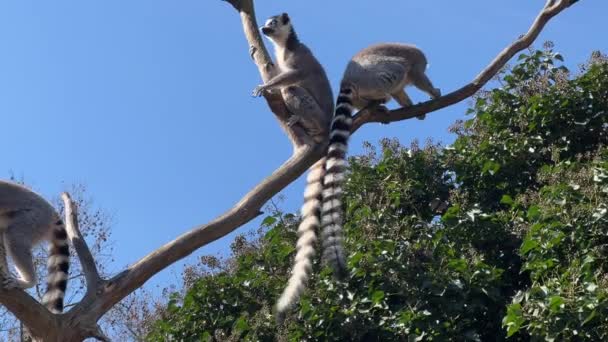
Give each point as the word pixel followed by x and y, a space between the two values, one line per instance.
pixel 309 100
pixel 27 219
pixel 301 79
pixel 382 71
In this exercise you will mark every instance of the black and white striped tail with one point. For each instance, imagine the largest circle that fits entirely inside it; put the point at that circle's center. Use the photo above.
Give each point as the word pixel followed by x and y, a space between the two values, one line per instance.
pixel 58 265
pixel 335 167
pixel 307 237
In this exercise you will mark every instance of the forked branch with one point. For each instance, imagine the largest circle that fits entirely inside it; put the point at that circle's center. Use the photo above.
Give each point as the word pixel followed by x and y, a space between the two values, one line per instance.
pixel 87 261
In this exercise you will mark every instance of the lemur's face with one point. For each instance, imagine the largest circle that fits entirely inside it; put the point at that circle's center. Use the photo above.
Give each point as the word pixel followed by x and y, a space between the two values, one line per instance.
pixel 277 27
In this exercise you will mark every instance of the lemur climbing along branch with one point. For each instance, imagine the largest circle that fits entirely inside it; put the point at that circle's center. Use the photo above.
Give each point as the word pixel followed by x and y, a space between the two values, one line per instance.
pixel 372 77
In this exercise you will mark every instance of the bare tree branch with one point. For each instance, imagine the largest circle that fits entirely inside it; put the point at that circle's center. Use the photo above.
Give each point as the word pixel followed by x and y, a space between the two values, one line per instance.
pixel 80 245
pixel 551 9
pixel 37 318
pixel 244 211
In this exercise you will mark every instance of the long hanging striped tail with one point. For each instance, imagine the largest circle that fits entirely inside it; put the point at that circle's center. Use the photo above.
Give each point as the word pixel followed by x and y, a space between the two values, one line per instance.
pixel 331 209
pixel 307 237
pixel 58 265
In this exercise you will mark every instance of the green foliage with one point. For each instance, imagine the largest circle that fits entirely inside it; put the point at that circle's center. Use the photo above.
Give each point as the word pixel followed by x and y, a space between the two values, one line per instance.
pixel 502 235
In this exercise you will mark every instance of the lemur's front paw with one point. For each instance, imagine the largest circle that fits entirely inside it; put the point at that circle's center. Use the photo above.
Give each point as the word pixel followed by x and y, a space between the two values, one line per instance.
pixel 257 91
pixel 292 120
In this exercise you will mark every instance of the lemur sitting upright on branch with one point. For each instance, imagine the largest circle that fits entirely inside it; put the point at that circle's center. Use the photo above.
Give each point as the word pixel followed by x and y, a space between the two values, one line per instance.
pixel 307 94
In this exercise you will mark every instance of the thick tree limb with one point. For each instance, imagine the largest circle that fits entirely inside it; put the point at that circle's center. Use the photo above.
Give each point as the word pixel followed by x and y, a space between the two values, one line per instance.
pixel 551 9
pixel 244 211
pixel 37 318
pixel 87 261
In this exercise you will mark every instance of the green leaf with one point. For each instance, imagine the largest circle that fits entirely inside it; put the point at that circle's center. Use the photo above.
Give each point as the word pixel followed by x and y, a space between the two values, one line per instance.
pixel 528 245
pixel 269 221
pixel 507 200
pixel 533 213
pixel 241 324
pixel 377 296
pixel 556 303
pixel 490 167
pixel 513 320
pixel 590 317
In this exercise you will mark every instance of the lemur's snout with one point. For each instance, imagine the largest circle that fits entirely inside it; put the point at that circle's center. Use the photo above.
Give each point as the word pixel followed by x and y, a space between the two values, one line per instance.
pixel 266 30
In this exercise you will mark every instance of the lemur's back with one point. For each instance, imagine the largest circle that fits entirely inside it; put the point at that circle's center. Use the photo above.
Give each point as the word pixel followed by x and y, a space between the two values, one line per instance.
pixel 15 198
pixel 379 58
pixel 394 50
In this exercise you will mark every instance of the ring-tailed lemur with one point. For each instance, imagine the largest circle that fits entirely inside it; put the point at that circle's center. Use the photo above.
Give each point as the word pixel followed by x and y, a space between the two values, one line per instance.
pixel 27 219
pixel 307 94
pixel 372 77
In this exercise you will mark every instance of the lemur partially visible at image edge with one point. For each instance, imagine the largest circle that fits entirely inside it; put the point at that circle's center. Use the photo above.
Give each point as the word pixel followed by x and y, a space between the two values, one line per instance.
pixel 307 94
pixel 27 219
pixel 372 77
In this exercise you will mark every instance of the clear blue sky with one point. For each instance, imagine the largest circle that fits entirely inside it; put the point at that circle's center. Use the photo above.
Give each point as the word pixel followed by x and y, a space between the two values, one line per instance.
pixel 148 102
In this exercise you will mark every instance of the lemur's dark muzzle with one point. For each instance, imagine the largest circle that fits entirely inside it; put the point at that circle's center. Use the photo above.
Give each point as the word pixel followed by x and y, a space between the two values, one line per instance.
pixel 267 30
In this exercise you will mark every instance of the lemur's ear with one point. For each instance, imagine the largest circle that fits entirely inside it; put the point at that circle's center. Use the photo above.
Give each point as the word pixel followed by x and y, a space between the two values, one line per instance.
pixel 284 18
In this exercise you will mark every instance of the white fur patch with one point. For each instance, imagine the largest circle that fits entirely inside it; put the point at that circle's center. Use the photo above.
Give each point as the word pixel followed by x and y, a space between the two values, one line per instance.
pixel 339 132
pixel 333 162
pixel 332 178
pixel 309 207
pixel 343 118
pixel 309 223
pixel 60 243
pixel 55 277
pixel 329 205
pixel 57 259
pixel 52 295
pixel 306 241
pixel 345 105
pixel 330 220
pixel 333 191
pixel 313 190
pixel 305 251
pixel 314 175
pixel 337 147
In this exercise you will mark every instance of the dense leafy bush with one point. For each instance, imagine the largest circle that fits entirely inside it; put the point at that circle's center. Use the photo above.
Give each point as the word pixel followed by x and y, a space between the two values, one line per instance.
pixel 503 235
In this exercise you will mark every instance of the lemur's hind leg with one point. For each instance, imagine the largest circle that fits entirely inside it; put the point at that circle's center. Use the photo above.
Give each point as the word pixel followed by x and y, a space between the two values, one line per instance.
pixel 404 101
pixel 402 98
pixel 306 112
pixel 20 251
pixel 422 82
pixel 4 271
